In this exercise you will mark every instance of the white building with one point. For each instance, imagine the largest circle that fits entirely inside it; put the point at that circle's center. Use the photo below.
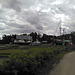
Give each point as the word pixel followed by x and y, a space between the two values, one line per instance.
pixel 23 39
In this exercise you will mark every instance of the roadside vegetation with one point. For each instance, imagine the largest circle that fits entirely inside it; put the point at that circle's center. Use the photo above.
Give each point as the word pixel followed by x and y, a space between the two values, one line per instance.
pixel 30 60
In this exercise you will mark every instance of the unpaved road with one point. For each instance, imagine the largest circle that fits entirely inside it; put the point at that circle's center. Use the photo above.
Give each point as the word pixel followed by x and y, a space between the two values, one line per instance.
pixel 66 65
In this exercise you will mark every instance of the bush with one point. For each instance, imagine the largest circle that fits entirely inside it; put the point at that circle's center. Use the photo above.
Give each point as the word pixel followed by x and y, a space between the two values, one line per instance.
pixel 31 62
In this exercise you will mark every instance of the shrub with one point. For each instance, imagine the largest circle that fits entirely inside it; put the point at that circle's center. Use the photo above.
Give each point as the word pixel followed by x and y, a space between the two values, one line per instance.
pixel 31 62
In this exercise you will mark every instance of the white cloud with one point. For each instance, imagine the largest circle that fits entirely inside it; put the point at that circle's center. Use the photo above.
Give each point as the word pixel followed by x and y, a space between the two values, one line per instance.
pixel 57 2
pixel 24 16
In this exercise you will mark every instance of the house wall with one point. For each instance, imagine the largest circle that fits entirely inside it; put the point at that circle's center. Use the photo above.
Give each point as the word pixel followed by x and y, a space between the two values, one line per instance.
pixel 23 37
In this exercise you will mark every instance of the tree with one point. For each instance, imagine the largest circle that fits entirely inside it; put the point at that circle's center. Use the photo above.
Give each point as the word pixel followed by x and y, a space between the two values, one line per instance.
pixel 73 37
pixel 34 36
pixel 6 39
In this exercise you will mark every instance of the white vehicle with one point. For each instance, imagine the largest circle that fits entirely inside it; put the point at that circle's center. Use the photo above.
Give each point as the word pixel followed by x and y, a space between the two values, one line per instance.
pixel 36 43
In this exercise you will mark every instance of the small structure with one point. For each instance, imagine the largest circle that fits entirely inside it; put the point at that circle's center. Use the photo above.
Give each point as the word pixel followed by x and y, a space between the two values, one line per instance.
pixel 23 39
pixel 62 42
pixel 58 42
pixel 67 42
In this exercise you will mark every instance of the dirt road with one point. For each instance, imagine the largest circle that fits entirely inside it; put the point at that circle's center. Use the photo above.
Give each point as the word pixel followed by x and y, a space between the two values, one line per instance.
pixel 66 65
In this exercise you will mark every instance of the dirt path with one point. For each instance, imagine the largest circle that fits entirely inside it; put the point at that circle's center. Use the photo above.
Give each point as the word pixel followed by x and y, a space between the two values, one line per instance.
pixel 66 65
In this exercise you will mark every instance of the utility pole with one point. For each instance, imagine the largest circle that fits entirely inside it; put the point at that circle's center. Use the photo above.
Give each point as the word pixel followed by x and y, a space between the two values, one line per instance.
pixel 60 27
pixel 63 31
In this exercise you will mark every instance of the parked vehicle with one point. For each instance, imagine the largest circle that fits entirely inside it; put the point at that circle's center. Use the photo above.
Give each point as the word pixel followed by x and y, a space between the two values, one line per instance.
pixel 36 43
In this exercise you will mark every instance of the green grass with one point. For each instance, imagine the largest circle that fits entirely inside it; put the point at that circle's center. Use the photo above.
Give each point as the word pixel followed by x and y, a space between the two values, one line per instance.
pixel 7 53
pixel 31 59
pixel 12 51
pixel 7 50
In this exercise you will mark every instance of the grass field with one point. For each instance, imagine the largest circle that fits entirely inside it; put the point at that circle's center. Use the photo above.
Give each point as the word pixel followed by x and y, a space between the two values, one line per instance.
pixel 7 50
pixel 29 60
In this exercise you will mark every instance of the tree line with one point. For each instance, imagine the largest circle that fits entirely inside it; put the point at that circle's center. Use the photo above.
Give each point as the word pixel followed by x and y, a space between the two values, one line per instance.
pixel 6 39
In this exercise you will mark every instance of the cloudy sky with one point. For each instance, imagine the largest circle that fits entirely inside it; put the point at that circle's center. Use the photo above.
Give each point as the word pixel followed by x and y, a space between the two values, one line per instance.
pixel 42 16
